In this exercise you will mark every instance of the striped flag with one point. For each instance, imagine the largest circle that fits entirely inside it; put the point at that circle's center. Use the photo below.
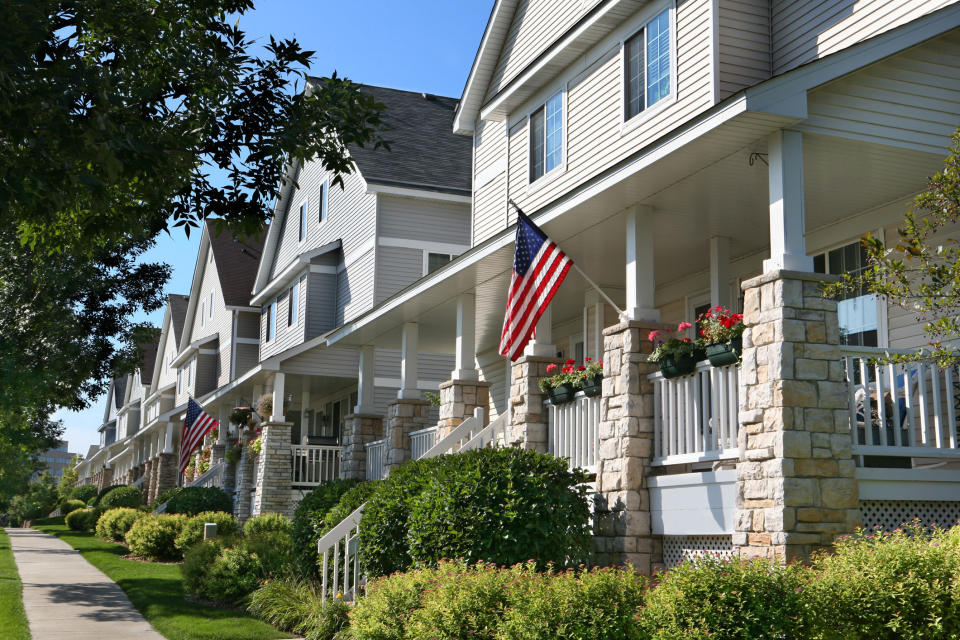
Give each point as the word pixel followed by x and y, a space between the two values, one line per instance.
pixel 539 266
pixel 198 424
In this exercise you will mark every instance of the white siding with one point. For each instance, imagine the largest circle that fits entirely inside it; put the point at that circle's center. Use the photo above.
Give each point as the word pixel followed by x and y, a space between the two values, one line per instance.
pixel 336 363
pixel 805 30
pixel 221 322
pixel 489 180
pixel 743 45
pixel 493 369
pixel 423 219
pixel 911 99
pixel 397 267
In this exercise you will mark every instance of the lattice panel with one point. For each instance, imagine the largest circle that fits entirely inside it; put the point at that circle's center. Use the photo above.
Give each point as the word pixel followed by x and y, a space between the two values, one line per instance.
pixel 676 549
pixel 890 514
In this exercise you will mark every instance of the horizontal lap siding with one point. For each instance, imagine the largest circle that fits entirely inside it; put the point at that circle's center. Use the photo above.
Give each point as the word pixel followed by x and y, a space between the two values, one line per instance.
pixel 805 30
pixel 595 140
pixel 432 367
pixel 205 379
pixel 355 288
pixel 248 324
pixel 911 99
pixel 168 374
pixel 247 357
pixel 743 45
pixel 397 267
pixel 286 336
pixel 222 321
pixel 489 179
pixel 321 303
pixel 493 369
pixel 422 219
pixel 336 363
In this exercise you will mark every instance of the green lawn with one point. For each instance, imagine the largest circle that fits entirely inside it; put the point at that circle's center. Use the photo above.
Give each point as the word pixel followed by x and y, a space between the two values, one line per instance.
pixel 13 620
pixel 156 590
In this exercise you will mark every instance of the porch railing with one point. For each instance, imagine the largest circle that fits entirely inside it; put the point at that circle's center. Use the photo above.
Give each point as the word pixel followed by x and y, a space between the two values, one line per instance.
pixel 376 452
pixel 573 431
pixel 905 409
pixel 213 477
pixel 696 417
pixel 421 441
pixel 315 464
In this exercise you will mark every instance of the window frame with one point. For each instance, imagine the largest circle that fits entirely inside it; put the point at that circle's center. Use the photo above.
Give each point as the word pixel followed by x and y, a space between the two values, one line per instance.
pixel 883 329
pixel 210 302
pixel 293 304
pixel 426 260
pixel 322 211
pixel 203 313
pixel 628 122
pixel 561 166
pixel 270 330
pixel 302 231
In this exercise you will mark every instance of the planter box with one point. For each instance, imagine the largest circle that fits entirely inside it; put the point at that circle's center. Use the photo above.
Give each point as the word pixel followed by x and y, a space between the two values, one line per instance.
pixel 722 354
pixel 676 366
pixel 563 393
pixel 592 386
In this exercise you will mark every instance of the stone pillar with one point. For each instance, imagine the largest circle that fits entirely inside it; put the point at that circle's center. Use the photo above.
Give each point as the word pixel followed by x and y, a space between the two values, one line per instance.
pixel 528 414
pixel 274 472
pixel 359 429
pixel 246 474
pixel 166 471
pixel 458 399
pixel 106 478
pixel 622 510
pixel 403 416
pixel 154 478
pixel 147 486
pixel 796 488
pixel 219 447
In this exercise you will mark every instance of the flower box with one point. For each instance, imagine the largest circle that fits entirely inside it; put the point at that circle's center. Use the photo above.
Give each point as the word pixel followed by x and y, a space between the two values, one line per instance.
pixel 676 366
pixel 722 354
pixel 562 393
pixel 592 386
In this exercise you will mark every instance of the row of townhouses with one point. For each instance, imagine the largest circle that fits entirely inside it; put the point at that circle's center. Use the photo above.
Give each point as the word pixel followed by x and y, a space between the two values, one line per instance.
pixel 685 154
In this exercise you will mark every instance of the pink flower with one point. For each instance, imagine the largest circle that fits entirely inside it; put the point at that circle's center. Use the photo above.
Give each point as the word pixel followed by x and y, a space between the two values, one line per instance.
pixel 652 336
pixel 683 326
pixel 551 368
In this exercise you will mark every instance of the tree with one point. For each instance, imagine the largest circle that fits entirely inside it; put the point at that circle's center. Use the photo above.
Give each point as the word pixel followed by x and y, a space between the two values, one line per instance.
pixel 68 481
pixel 921 271
pixel 120 120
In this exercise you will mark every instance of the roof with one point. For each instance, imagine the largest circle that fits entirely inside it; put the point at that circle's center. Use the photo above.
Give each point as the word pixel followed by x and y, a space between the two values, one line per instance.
pixel 236 261
pixel 148 355
pixel 178 313
pixel 120 388
pixel 92 450
pixel 424 152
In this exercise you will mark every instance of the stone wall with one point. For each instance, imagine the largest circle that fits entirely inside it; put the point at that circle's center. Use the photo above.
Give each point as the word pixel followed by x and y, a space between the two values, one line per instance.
pixel 274 472
pixel 167 472
pixel 528 414
pixel 403 416
pixel 458 399
pixel 359 430
pixel 796 488
pixel 245 476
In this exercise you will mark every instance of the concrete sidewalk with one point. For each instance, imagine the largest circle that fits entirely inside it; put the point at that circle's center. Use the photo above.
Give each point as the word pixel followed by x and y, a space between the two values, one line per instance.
pixel 68 598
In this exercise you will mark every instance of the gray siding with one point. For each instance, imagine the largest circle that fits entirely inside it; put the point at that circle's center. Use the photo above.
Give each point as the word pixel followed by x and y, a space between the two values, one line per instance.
pixel 248 324
pixel 805 30
pixel 221 323
pixel 397 267
pixel 206 374
pixel 489 180
pixel 355 287
pixel 247 357
pixel 337 363
pixel 422 219
pixel 321 303
pixel 432 367
pixel 287 336
pixel 743 45
pixel 493 369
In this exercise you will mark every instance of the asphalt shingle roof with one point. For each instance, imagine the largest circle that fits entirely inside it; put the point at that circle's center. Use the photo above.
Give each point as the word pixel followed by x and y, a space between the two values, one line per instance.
pixel 236 261
pixel 120 388
pixel 178 313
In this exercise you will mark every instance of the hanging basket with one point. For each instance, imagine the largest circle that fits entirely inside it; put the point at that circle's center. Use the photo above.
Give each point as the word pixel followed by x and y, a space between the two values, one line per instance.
pixel 562 394
pixel 722 354
pixel 676 366
pixel 592 387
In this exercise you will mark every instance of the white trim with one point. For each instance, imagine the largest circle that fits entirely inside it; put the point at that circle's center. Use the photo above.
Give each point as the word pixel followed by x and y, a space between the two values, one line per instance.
pixel 368 245
pixel 208 352
pixel 233 307
pixel 322 268
pixel 628 124
pixel 394 383
pixel 907 484
pixel 278 283
pixel 426 245
pixel 239 340
pixel 547 176
pixel 192 347
pixel 413 192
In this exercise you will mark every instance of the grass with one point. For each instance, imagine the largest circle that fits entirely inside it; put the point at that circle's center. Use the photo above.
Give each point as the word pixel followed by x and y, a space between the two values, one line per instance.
pixel 156 590
pixel 13 620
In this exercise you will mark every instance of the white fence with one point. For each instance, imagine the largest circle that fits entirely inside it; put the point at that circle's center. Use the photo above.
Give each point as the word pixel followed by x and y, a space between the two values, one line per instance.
pixel 376 451
pixel 574 431
pixel 422 441
pixel 211 478
pixel 315 464
pixel 907 409
pixel 696 417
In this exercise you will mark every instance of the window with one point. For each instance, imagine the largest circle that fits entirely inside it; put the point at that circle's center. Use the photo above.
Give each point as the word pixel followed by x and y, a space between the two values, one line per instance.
pixel 210 255
pixel 293 304
pixel 647 65
pixel 210 305
pixel 546 137
pixel 271 320
pixel 856 310
pixel 203 313
pixel 437 260
pixel 322 214
pixel 303 221
pixel 190 372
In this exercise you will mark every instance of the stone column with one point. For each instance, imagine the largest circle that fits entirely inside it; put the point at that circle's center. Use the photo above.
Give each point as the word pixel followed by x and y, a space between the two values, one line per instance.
pixel 623 532
pixel 219 448
pixel 166 471
pixel 458 399
pixel 274 472
pixel 796 488
pixel 106 478
pixel 359 429
pixel 147 486
pixel 528 414
pixel 403 416
pixel 246 474
pixel 154 478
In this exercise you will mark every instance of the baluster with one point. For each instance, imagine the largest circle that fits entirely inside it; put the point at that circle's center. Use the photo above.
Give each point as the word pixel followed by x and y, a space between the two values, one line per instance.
pixel 733 411
pixel 723 401
pixel 950 403
pixel 907 394
pixel 346 564
pixel 894 393
pixel 922 390
pixel 881 408
pixel 336 568
pixel 867 408
pixel 690 398
pixel 851 391
pixel 323 578
pixel 937 412
pixel 657 419
pixel 674 425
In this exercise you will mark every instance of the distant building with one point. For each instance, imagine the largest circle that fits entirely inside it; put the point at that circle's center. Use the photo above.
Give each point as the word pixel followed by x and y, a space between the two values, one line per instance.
pixel 56 460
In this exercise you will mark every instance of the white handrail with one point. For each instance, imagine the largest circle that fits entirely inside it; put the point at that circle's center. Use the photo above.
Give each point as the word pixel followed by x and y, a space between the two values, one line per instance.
pixel 422 441
pixel 314 464
pixel 213 477
pixel 374 466
pixel 462 433
pixel 344 535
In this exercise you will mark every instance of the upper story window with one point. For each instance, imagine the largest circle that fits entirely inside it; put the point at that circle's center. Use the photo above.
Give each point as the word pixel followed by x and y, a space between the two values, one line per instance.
pixel 437 260
pixel 546 137
pixel 203 313
pixel 293 304
pixel 271 320
pixel 857 310
pixel 648 65
pixel 303 222
pixel 210 305
pixel 322 213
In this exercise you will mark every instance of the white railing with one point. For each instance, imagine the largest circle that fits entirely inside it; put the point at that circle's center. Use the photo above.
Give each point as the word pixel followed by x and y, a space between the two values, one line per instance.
pixel 574 431
pixel 463 433
pixel 911 408
pixel 422 441
pixel 213 477
pixel 696 417
pixel 315 464
pixel 376 452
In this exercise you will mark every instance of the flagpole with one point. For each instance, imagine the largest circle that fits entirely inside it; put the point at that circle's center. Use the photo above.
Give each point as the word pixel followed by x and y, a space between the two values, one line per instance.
pixel 620 312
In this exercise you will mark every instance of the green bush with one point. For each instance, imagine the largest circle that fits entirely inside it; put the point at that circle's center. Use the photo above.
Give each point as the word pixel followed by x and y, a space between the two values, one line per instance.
pixel 197 561
pixel 153 536
pixel 164 496
pixel 232 576
pixel 86 492
pixel 82 519
pixel 295 606
pixel 383 613
pixel 115 523
pixel 273 550
pixel 309 510
pixel 192 532
pixel 349 502
pixel 193 500
pixel 903 585
pixel 96 501
pixel 331 621
pixel 69 505
pixel 129 497
pixel 267 523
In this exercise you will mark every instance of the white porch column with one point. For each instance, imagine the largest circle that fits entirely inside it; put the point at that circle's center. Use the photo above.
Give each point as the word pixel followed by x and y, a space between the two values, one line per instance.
pixel 278 394
pixel 720 271
pixel 787 219
pixel 224 426
pixel 305 409
pixel 167 439
pixel 466 368
pixel 410 344
pixel 593 321
pixel 542 343
pixel 365 381
pixel 641 283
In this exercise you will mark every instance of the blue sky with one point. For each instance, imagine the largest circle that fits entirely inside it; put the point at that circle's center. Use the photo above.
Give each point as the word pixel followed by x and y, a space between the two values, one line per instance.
pixel 427 45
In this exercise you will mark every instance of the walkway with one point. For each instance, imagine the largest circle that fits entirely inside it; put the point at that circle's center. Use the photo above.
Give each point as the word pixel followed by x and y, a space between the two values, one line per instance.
pixel 67 597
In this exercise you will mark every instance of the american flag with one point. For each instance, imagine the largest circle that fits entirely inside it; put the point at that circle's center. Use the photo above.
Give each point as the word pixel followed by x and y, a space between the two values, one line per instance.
pixel 198 424
pixel 539 266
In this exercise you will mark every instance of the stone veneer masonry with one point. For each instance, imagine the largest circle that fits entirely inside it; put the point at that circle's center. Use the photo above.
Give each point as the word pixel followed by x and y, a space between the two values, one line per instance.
pixel 796 488
pixel 528 414
pixel 403 416
pixel 359 429
pixel 167 472
pixel 246 472
pixel 274 471
pixel 458 399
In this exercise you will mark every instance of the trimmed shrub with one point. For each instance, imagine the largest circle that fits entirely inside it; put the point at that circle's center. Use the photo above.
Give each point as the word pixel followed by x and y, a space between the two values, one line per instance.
pixel 193 500
pixel 164 496
pixel 153 537
pixel 383 613
pixel 310 509
pixel 71 505
pixel 273 550
pixel 737 598
pixel 295 606
pixel 267 523
pixel 129 497
pixel 96 501
pixel 192 532
pixel 197 560
pixel 115 523
pixel 85 492
pixel 349 502
pixel 82 519
pixel 232 576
